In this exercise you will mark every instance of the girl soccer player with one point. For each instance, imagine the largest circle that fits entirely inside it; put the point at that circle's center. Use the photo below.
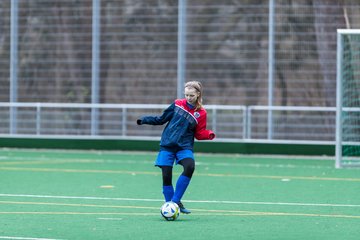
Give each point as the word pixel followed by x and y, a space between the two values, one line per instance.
pixel 186 119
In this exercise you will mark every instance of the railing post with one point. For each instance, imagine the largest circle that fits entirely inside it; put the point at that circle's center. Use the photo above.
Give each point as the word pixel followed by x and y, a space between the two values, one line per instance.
pixel 123 122
pixel 245 122
pixel 249 122
pixel 214 117
pixel 38 119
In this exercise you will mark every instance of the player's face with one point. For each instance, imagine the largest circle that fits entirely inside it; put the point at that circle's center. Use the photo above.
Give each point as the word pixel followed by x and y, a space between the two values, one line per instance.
pixel 191 95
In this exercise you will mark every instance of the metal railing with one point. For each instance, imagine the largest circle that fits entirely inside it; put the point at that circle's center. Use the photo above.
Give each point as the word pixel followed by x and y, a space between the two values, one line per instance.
pixel 231 123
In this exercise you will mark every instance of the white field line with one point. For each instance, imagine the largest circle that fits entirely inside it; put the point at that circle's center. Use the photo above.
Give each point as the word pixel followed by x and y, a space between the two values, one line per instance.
pixel 193 201
pixel 111 219
pixel 26 238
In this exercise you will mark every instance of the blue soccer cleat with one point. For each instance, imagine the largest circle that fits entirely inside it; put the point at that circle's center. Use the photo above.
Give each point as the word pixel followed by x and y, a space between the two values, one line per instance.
pixel 183 209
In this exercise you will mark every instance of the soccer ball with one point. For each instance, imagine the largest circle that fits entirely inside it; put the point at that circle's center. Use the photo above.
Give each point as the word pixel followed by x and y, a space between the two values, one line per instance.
pixel 170 211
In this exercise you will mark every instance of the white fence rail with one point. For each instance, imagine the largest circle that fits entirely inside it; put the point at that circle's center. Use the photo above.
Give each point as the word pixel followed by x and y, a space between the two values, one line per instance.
pixel 231 123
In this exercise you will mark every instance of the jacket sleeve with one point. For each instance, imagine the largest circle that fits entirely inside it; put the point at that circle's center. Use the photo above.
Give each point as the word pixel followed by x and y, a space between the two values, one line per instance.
pixel 201 133
pixel 159 120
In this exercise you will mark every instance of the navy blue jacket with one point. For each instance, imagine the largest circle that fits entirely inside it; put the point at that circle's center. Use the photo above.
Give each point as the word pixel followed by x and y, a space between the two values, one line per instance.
pixel 184 124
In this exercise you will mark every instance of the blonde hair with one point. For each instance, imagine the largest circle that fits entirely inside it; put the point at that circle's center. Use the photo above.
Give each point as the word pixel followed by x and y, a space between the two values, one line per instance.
pixel 198 87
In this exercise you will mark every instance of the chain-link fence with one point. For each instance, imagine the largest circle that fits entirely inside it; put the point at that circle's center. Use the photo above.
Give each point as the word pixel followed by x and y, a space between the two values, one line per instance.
pixel 246 53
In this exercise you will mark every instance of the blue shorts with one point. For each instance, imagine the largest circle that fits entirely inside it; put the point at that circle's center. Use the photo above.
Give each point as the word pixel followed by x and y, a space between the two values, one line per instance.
pixel 166 158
